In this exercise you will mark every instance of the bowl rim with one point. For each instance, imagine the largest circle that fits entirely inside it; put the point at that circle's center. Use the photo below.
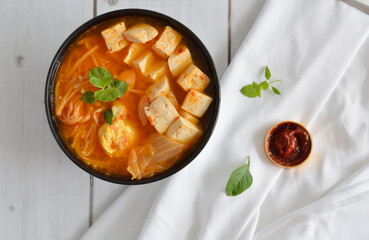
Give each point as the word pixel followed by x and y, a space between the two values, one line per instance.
pixel 266 144
pixel 54 66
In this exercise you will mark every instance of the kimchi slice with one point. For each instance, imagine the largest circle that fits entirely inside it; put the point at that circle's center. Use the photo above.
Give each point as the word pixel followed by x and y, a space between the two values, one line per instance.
pixel 155 157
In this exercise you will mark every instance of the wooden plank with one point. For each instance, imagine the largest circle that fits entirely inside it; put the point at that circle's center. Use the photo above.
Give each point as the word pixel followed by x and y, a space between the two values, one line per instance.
pixel 43 194
pixel 242 16
pixel 104 194
pixel 206 19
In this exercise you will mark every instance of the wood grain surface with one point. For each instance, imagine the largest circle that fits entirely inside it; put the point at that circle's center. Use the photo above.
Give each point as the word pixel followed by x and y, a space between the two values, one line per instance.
pixel 43 194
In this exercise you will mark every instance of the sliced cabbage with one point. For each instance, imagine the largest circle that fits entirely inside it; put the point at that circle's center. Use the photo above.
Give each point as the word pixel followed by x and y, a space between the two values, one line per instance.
pixel 155 157
pixel 165 148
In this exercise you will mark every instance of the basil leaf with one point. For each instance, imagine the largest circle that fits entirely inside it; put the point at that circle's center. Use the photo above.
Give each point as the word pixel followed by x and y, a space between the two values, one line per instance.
pixel 267 73
pixel 276 91
pixel 264 85
pixel 257 88
pixel 108 116
pixel 249 91
pixel 88 97
pixel 106 95
pixel 240 180
pixel 120 86
pixel 100 77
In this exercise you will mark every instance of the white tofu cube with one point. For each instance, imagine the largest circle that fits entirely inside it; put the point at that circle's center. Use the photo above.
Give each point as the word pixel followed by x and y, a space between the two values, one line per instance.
pixel 161 113
pixel 160 88
pixel 157 70
pixel 183 131
pixel 114 38
pixel 193 78
pixel 134 50
pixel 172 98
pixel 141 33
pixel 145 62
pixel 188 116
pixel 167 42
pixel 196 103
pixel 180 60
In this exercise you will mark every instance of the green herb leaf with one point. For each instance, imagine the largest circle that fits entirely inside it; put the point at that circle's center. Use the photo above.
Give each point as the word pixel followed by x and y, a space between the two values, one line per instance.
pixel 254 90
pixel 240 180
pixel 108 116
pixel 257 88
pixel 280 80
pixel 120 86
pixel 249 91
pixel 276 91
pixel 264 85
pixel 88 97
pixel 267 73
pixel 106 95
pixel 100 77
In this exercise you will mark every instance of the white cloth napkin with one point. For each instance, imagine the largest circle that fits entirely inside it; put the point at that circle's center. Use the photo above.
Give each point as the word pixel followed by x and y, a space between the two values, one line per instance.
pixel 308 44
pixel 341 136
pixel 341 214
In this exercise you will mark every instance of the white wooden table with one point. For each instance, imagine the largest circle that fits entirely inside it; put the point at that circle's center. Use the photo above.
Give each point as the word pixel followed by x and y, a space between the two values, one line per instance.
pixel 43 194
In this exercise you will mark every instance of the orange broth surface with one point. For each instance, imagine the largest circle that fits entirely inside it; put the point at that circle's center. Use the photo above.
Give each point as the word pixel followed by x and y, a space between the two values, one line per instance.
pixel 79 122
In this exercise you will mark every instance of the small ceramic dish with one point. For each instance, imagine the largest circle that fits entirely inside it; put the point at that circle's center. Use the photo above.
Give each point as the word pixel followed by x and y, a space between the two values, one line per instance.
pixel 288 144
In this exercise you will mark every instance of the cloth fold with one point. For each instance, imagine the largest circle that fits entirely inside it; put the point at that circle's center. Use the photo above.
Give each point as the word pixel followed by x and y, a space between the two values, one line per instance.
pixel 308 44
pixel 338 215
pixel 340 134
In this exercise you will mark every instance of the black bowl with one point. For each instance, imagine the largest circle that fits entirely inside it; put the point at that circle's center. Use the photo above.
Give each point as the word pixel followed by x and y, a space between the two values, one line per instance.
pixel 196 47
